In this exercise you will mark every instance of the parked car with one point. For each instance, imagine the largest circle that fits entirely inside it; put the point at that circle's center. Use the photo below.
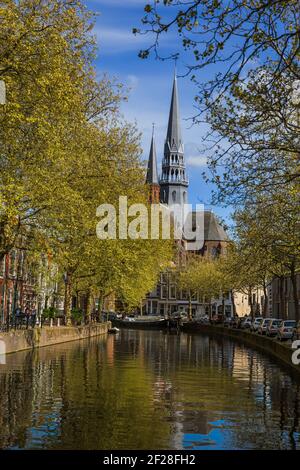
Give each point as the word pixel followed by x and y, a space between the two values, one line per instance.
pixel 296 332
pixel 256 323
pixel 262 329
pixel 286 329
pixel 246 323
pixel 227 322
pixel 217 318
pixel 273 327
pixel 204 320
pixel 235 322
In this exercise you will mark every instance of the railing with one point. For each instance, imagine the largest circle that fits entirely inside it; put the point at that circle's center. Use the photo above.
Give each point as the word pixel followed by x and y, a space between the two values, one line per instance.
pixel 18 322
pixel 170 179
pixel 24 322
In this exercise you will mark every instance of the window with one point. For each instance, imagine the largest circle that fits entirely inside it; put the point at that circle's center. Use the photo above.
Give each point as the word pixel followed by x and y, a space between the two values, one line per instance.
pixel 163 292
pixel 184 294
pixel 174 196
pixel 194 296
pixel 173 292
pixel 227 310
pixel 12 264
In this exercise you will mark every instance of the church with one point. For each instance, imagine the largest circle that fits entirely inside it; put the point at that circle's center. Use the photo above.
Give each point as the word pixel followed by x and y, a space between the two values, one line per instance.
pixel 168 188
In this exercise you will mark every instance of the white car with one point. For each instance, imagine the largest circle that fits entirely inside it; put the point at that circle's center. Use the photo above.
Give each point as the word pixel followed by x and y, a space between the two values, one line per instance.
pixel 203 319
pixel 246 323
pixel 262 329
pixel 286 329
pixel 256 323
pixel 273 327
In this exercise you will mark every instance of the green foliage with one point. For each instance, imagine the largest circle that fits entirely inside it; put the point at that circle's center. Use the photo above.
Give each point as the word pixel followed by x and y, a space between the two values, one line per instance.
pixel 50 313
pixel 77 315
pixel 65 149
pixel 203 276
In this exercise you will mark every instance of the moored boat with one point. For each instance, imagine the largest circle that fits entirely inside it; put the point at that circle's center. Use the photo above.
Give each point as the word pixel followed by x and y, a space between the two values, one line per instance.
pixel 141 324
pixel 113 330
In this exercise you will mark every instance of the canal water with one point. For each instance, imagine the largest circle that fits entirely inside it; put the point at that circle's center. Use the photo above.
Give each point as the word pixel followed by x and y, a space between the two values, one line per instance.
pixel 148 390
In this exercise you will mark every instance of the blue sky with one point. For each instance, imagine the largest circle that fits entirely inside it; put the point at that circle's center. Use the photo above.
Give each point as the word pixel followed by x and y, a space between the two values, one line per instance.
pixel 150 83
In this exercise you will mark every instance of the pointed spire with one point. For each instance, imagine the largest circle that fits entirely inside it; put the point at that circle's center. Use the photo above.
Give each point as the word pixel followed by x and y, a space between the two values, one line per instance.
pixel 174 130
pixel 152 175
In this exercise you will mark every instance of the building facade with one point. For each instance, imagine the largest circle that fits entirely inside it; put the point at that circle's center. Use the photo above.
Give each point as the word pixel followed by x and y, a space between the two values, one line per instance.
pixel 17 284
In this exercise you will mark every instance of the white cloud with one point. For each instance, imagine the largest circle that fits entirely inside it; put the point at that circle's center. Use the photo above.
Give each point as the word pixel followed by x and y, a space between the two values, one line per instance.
pixel 196 161
pixel 132 81
pixel 195 157
pixel 116 40
pixel 119 3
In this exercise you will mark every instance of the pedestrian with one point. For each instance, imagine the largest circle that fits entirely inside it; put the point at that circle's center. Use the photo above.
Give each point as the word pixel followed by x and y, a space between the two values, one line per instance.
pixel 18 316
pixel 33 316
pixel 27 315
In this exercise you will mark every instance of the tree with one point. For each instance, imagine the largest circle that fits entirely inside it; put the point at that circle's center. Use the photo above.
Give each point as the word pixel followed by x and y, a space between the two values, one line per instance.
pixel 45 61
pixel 233 34
pixel 267 244
pixel 253 141
pixel 246 270
pixel 202 276
pixel 65 150
pixel 254 138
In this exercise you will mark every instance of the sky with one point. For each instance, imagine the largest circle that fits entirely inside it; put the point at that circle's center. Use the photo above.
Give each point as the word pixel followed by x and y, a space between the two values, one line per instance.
pixel 150 84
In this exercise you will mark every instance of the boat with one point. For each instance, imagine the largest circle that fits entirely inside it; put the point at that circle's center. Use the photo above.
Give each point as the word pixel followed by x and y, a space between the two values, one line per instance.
pixel 141 324
pixel 113 330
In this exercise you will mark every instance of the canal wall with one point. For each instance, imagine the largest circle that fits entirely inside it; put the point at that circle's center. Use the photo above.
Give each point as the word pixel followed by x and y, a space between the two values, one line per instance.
pixel 281 351
pixel 20 340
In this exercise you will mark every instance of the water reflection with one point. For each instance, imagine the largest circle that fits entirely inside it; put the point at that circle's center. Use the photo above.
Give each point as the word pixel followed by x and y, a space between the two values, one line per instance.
pixel 147 390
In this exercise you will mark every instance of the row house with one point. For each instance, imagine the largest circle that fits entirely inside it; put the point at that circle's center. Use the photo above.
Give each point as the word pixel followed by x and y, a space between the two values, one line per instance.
pixel 17 284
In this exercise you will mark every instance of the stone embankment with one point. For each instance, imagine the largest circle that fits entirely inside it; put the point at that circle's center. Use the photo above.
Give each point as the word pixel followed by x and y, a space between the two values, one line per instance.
pixel 20 340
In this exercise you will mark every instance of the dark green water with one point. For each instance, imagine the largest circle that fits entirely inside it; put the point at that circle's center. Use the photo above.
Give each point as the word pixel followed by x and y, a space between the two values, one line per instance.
pixel 147 390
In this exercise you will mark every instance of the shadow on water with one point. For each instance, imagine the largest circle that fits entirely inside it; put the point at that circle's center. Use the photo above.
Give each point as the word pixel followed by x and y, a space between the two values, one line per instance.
pixel 147 390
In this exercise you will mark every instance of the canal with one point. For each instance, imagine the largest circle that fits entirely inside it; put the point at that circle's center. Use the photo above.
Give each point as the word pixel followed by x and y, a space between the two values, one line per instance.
pixel 148 390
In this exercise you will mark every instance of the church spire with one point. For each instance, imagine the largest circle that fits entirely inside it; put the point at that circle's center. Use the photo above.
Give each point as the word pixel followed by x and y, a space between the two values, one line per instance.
pixel 174 139
pixel 174 181
pixel 152 175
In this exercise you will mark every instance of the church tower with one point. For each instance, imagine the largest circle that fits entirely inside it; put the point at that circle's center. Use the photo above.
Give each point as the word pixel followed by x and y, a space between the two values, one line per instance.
pixel 152 175
pixel 174 182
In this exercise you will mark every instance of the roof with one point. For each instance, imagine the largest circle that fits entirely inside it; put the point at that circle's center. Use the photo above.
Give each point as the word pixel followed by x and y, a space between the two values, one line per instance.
pixel 213 230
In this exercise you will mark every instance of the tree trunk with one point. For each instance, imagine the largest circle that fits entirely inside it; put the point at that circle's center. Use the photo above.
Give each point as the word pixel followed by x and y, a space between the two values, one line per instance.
pixel 210 311
pixel 295 293
pixel 265 309
pixel 233 303
pixel 190 306
pixel 68 298
pixel 281 299
pixel 88 311
pixel 251 303
pixel 223 307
